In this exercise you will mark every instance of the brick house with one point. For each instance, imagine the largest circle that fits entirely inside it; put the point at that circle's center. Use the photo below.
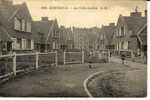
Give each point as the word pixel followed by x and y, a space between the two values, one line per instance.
pixel 126 38
pixel 19 25
pixel 46 34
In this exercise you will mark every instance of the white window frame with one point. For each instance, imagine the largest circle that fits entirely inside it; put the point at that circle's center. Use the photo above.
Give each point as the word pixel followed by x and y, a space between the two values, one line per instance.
pixel 17 24
pixel 24 44
pixel 14 43
pixel 23 25
pixel 32 44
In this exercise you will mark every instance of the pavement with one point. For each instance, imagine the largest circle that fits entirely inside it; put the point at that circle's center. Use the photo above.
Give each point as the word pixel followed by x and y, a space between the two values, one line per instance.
pixel 129 63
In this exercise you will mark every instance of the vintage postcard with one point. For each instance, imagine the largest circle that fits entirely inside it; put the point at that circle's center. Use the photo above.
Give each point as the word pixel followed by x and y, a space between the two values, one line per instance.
pixel 73 48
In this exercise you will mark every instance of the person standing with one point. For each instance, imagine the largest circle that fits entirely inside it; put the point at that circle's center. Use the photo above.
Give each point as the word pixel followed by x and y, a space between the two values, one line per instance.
pixel 123 58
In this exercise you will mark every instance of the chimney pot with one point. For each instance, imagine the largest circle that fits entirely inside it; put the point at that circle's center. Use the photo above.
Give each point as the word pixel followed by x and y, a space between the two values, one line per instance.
pixel 44 18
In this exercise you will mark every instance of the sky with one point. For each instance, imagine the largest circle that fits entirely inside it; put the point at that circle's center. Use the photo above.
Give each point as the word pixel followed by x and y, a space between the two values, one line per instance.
pixel 83 13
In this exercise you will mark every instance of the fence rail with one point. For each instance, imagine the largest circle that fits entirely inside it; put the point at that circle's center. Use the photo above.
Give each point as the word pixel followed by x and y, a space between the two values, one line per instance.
pixel 15 59
pixel 75 56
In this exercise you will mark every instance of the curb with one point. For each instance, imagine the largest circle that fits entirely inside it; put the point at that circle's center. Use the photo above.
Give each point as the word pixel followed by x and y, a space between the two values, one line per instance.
pixel 86 81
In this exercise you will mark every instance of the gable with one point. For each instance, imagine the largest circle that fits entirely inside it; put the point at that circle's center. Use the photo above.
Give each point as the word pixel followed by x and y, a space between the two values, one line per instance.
pixel 23 13
pixel 46 28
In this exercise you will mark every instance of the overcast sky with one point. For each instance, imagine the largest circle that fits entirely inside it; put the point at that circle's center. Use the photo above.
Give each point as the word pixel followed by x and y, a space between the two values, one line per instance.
pixel 79 17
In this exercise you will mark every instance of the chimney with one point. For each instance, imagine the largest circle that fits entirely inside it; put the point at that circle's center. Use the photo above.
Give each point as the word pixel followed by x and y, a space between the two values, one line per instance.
pixel 111 24
pixel 136 13
pixel 145 13
pixel 44 18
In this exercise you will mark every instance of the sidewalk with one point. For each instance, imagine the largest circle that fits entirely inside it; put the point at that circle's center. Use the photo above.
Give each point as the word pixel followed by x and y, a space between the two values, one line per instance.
pixel 129 63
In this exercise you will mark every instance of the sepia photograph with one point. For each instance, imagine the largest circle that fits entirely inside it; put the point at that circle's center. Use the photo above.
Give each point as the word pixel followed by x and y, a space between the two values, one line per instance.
pixel 73 48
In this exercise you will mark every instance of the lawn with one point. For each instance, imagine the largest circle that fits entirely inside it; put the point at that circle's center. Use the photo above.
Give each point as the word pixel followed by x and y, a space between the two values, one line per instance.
pixel 132 83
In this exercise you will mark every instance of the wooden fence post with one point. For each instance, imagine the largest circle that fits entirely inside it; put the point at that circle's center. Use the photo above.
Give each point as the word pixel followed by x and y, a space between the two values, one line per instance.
pixel 37 60
pixel 14 63
pixel 64 57
pixel 56 58
pixel 82 57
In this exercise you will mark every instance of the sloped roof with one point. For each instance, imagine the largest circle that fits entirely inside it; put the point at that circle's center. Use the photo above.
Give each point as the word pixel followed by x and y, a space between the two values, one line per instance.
pixel 44 28
pixel 10 11
pixel 4 33
pixel 142 35
pixel 135 23
pixel 108 31
pixel 4 36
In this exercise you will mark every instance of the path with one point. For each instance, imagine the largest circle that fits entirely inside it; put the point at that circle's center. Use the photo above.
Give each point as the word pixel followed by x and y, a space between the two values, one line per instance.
pixel 129 63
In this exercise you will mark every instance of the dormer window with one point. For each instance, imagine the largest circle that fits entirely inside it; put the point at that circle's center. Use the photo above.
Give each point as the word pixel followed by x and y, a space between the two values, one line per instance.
pixel 23 25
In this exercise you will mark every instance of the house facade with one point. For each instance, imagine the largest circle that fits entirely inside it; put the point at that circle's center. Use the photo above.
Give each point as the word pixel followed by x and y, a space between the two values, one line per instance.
pixel 5 39
pixel 46 34
pixel 66 38
pixel 105 38
pixel 126 38
pixel 86 38
pixel 19 25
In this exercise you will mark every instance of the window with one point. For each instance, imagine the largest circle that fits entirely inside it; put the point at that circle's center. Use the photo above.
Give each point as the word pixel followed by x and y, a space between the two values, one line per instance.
pixel 32 44
pixel 17 24
pixel 122 31
pixel 19 43
pixel 24 44
pixel 54 45
pixel 28 26
pixel 29 44
pixel 125 45
pixel 14 43
pixel 23 25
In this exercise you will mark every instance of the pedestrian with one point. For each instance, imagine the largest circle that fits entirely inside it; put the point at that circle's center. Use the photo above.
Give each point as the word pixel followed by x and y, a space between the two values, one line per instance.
pixel 90 61
pixel 123 58
pixel 110 54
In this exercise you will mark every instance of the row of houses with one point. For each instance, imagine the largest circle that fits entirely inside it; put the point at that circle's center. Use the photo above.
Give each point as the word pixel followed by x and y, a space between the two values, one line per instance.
pixel 86 38
pixel 129 34
pixel 15 24
pixel 19 33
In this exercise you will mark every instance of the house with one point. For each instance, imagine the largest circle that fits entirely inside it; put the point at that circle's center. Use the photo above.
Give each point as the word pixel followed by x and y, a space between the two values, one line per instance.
pixel 19 25
pixel 142 37
pixel 126 36
pixel 5 40
pixel 86 38
pixel 46 34
pixel 106 37
pixel 66 38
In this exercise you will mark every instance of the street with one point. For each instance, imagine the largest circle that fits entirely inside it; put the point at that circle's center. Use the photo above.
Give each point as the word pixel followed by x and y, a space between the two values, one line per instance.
pixel 61 81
